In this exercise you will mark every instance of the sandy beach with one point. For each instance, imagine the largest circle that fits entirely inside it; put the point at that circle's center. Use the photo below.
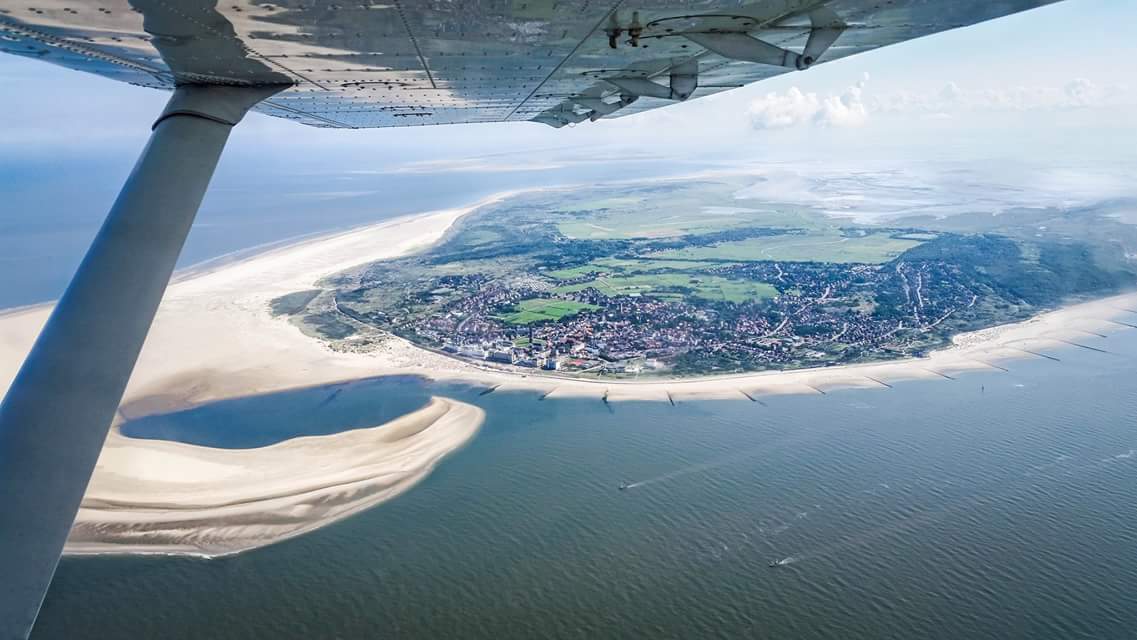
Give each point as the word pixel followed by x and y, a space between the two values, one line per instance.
pixel 214 338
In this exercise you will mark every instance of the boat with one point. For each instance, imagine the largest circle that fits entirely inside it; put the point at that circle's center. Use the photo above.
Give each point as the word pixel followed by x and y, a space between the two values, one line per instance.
pixel 623 486
pixel 774 564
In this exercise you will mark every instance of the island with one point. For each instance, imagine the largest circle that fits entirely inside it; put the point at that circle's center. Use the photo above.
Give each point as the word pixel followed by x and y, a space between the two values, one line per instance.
pixel 631 291
pixel 690 277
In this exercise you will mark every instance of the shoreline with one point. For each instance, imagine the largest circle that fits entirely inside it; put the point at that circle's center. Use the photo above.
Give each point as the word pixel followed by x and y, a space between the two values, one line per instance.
pixel 214 338
pixel 208 303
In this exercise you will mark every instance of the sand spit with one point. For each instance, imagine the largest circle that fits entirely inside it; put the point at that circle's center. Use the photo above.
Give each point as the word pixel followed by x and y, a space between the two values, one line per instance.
pixel 155 496
pixel 214 337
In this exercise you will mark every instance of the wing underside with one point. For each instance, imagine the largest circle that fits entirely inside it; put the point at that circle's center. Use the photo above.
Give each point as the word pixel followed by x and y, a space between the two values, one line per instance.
pixel 381 64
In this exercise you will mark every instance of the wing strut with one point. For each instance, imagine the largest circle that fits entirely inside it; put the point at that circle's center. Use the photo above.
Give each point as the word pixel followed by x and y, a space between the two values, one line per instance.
pixel 56 414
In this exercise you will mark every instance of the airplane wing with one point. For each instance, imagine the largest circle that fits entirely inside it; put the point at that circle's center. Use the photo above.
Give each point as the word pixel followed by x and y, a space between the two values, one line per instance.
pixel 364 63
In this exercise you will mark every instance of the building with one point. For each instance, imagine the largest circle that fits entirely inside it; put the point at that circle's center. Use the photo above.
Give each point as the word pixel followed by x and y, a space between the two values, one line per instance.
pixel 501 355
pixel 472 351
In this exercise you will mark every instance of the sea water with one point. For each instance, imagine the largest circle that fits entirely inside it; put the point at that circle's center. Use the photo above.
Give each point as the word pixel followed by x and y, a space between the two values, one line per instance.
pixel 44 232
pixel 996 505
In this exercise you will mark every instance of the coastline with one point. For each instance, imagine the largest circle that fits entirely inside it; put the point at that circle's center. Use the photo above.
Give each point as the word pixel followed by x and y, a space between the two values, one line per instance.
pixel 214 338
pixel 170 498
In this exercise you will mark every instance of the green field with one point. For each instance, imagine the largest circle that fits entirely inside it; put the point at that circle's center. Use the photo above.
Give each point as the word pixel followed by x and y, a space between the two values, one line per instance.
pixel 293 303
pixel 873 248
pixel 676 218
pixel 479 237
pixel 630 265
pixel 543 309
pixel 678 285
pixel 645 225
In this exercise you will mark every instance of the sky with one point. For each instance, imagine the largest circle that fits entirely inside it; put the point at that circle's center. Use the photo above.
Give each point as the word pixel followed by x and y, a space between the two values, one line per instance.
pixel 1066 64
pixel 1055 87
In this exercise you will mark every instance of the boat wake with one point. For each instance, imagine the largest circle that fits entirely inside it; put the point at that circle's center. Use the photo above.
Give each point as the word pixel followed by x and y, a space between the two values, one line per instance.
pixel 709 465
pixel 706 466
pixel 777 443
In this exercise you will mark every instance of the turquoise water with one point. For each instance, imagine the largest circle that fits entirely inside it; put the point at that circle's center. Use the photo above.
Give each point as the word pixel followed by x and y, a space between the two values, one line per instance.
pixel 997 505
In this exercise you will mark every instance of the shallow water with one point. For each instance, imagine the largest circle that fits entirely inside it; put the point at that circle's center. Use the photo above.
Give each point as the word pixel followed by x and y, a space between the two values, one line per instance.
pixel 998 505
pixel 258 421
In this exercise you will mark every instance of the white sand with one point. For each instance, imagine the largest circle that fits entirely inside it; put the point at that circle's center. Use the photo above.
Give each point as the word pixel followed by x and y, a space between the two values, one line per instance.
pixel 168 497
pixel 214 338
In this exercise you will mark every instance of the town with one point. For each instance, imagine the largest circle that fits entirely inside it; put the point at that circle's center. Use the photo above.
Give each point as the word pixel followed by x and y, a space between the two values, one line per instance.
pixel 820 314
pixel 681 281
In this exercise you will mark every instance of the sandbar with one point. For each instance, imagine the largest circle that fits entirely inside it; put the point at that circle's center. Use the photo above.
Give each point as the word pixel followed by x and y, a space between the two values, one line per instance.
pixel 158 496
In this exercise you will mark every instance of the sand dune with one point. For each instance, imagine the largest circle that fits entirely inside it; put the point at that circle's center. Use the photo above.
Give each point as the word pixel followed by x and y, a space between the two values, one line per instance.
pixel 154 496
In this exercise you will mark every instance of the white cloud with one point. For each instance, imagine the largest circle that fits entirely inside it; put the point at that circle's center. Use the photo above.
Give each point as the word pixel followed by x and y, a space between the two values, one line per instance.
pixel 1075 94
pixel 846 110
pixel 779 111
pixel 794 107
pixel 951 93
pixel 856 105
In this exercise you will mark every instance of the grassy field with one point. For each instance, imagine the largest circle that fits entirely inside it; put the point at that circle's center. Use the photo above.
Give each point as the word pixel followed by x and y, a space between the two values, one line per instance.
pixel 542 309
pixel 678 285
pixel 668 219
pixel 293 303
pixel 646 224
pixel 632 265
pixel 814 247
pixel 478 237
